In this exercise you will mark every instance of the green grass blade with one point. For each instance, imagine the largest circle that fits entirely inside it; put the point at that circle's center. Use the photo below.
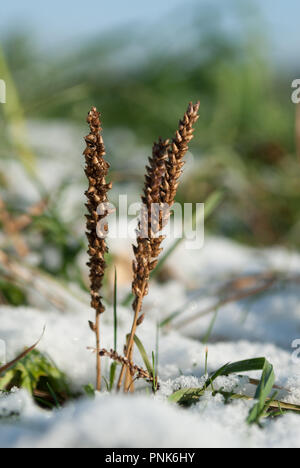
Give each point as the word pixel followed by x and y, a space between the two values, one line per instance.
pixel 206 362
pixel 263 391
pixel 154 371
pixel 185 395
pixel 170 318
pixel 89 390
pixel 116 310
pixel 212 203
pixel 44 402
pixel 6 367
pixel 268 404
pixel 14 115
pixel 128 299
pixel 106 383
pixel 237 367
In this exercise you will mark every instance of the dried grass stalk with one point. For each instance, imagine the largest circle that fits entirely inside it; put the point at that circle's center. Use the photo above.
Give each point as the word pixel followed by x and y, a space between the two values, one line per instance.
pixel 161 183
pixel 147 249
pixel 13 226
pixel 96 170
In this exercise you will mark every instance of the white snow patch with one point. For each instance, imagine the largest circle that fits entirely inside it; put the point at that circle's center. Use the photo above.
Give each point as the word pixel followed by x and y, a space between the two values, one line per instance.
pixel 265 327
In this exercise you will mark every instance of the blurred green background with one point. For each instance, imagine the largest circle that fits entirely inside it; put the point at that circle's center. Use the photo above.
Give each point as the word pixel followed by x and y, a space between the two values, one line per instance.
pixel 237 58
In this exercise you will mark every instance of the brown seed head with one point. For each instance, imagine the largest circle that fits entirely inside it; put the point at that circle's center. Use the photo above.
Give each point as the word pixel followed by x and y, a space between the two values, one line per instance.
pixel 96 170
pixel 161 183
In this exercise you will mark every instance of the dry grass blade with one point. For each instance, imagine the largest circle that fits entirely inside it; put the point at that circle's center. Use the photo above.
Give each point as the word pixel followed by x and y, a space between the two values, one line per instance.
pixel 161 182
pixel 96 170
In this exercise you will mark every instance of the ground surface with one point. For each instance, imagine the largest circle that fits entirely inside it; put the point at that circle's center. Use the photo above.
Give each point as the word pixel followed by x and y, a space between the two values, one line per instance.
pixel 264 326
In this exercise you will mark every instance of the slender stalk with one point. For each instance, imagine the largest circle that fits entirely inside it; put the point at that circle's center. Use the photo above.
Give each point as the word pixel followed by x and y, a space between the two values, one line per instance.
pixel 96 170
pixel 129 346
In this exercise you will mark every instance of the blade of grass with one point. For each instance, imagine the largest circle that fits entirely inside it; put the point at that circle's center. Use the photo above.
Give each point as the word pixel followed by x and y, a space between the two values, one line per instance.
pixel 157 345
pixel 268 404
pixel 112 375
pixel 44 402
pixel 263 390
pixel 238 367
pixel 89 390
pixel 210 328
pixel 143 354
pixel 211 204
pixel 106 384
pixel 52 393
pixel 273 404
pixel 235 368
pixel 222 302
pixel 206 362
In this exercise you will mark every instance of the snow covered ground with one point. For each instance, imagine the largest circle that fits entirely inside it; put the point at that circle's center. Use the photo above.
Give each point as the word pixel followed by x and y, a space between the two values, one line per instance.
pixel 264 326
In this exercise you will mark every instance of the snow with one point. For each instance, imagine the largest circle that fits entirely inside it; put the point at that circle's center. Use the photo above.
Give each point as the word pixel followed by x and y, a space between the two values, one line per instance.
pixel 265 327
pixel 153 423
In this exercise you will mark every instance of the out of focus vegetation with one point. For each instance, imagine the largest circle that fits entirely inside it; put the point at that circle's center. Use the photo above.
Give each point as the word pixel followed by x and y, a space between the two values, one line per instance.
pixel 245 140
